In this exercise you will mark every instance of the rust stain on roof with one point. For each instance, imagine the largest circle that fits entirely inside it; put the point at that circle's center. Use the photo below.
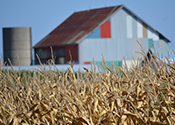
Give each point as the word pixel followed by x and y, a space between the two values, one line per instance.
pixel 77 26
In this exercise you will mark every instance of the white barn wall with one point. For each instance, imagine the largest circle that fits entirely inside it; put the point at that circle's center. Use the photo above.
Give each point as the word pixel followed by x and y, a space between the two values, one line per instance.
pixel 129 26
pixel 125 30
pixel 134 27
pixel 113 49
pixel 165 44
pixel 161 43
pixel 80 53
pixel 145 44
pixel 150 33
pixel 136 47
pixel 155 36
pixel 156 44
pixel 139 29
pixel 118 24
pixel 94 48
pixel 128 49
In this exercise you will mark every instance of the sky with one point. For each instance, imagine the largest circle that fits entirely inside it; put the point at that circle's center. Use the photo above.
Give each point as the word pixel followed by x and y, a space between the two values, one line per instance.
pixel 45 15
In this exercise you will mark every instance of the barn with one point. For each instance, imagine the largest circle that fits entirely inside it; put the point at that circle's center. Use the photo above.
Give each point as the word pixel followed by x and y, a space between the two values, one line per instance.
pixel 111 31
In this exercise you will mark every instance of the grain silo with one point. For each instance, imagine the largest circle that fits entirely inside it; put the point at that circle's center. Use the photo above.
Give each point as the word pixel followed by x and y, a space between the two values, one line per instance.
pixel 17 42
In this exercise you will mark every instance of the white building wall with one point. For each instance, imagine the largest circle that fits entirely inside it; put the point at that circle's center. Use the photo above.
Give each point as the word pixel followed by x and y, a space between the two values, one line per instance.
pixel 129 26
pixel 155 36
pixel 165 44
pixel 118 24
pixel 150 33
pixel 139 29
pixel 134 27
pixel 80 51
pixel 125 30
pixel 114 48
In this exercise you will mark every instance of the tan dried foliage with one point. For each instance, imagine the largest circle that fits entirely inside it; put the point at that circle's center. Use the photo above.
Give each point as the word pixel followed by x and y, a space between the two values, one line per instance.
pixel 115 96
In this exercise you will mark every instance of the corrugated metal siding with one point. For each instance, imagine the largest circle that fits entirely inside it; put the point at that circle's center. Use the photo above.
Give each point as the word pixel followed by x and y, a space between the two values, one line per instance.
pixel 161 43
pixel 145 44
pixel 96 47
pixel 145 34
pixel 139 29
pixel 156 44
pixel 155 36
pixel 165 44
pixel 150 43
pixel 126 49
pixel 118 24
pixel 119 45
pixel 81 24
pixel 137 48
pixel 165 53
pixel 106 30
pixel 112 49
pixel 80 53
pixel 150 33
pixel 129 26
pixel 134 28
pixel 109 64
pixel 95 34
pixel 76 27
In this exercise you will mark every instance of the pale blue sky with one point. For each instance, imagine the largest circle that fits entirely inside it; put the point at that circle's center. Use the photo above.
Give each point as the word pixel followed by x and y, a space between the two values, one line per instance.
pixel 45 15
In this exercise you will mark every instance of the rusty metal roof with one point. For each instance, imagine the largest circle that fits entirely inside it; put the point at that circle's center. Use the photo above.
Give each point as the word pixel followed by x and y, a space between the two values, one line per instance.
pixel 80 24
pixel 76 27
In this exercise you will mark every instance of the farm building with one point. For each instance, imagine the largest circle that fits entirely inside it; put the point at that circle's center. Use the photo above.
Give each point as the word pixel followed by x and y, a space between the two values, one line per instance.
pixel 111 31
pixel 17 46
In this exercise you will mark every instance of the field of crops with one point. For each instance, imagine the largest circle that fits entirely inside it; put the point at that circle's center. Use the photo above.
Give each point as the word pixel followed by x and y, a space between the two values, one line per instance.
pixel 140 95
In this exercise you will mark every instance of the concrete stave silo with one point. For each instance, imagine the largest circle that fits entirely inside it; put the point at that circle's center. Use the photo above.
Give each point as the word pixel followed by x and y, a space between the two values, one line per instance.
pixel 17 42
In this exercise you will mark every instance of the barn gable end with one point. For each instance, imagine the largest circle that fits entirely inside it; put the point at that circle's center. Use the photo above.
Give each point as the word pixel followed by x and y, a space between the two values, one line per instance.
pixel 111 31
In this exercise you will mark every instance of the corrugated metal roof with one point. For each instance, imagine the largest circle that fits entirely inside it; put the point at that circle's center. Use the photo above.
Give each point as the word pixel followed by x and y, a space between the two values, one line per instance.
pixel 76 27
pixel 79 25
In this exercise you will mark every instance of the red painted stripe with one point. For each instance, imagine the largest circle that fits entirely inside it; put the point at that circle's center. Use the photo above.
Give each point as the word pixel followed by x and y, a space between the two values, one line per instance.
pixel 87 62
pixel 105 30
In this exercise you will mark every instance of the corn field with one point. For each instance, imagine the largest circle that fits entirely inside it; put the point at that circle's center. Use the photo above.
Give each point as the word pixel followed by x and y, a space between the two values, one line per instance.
pixel 117 96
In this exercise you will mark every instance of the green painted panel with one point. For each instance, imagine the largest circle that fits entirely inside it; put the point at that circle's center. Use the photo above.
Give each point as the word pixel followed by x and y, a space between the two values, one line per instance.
pixel 119 64
pixel 109 64
pixel 98 63
pixel 150 42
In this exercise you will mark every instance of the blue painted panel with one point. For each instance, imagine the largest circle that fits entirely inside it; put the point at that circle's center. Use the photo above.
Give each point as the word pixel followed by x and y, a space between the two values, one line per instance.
pixel 95 34
pixel 164 52
pixel 172 55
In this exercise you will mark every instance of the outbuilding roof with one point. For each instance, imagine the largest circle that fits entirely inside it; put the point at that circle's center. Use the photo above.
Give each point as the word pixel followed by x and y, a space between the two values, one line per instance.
pixel 80 24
